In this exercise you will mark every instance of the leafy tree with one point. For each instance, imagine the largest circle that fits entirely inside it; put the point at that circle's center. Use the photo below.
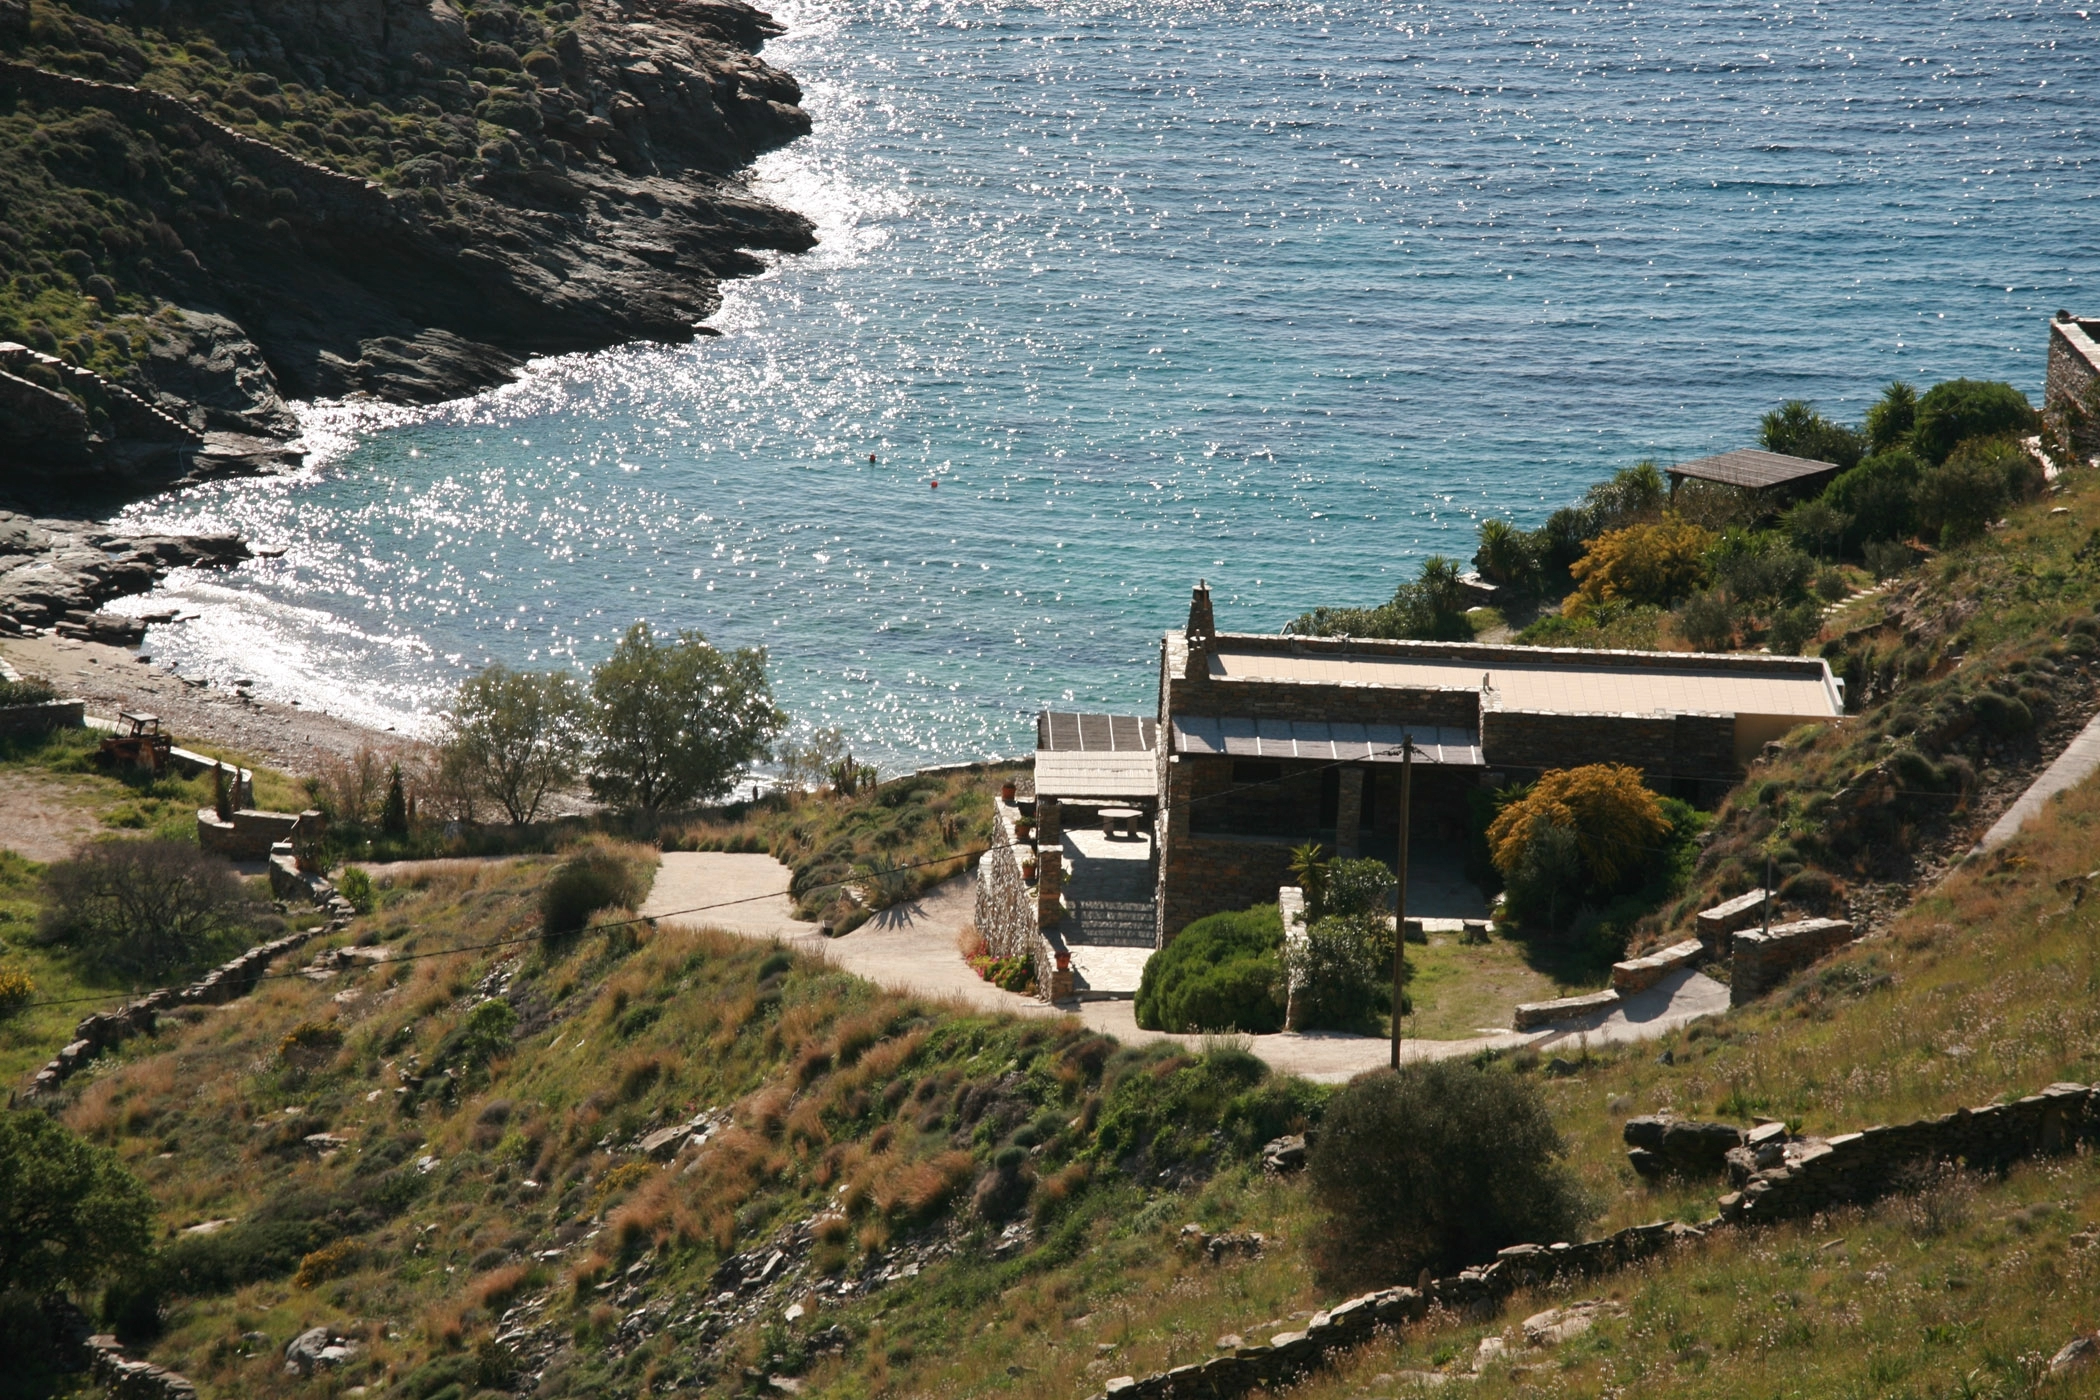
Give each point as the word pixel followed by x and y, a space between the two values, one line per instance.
pixel 1617 821
pixel 1362 886
pixel 1796 429
pixel 1890 419
pixel 1757 569
pixel 1221 973
pixel 1436 1166
pixel 1432 608
pixel 142 909
pixel 1342 972
pixel 1817 526
pixel 1974 485
pixel 1880 494
pixel 677 722
pixel 1953 412
pixel 1656 563
pixel 1707 621
pixel 514 736
pixel 1507 555
pixel 1794 628
pixel 70 1212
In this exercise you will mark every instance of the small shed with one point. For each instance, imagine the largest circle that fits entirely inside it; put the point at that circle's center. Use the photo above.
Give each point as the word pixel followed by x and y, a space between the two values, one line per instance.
pixel 1757 470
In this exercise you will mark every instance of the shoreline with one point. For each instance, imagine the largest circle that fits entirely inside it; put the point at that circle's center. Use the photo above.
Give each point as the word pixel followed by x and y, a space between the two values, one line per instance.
pixel 290 738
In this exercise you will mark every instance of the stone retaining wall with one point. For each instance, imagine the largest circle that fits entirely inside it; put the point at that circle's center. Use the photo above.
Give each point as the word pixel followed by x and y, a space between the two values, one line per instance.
pixel 43 718
pixel 1007 912
pixel 1530 1015
pixel 107 1029
pixel 1817 1174
pixel 1350 1324
pixel 1639 974
pixel 1717 923
pixel 124 1379
pixel 1763 959
pixel 249 836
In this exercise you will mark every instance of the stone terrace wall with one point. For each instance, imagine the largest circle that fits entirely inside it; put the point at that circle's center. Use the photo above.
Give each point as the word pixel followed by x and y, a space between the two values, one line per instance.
pixel 1007 912
pixel 108 1029
pixel 1352 1323
pixel 1760 961
pixel 1818 1174
pixel 41 719
pixel 125 1379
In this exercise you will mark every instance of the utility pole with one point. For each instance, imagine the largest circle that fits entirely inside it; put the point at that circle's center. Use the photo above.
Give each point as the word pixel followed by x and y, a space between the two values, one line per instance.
pixel 1407 792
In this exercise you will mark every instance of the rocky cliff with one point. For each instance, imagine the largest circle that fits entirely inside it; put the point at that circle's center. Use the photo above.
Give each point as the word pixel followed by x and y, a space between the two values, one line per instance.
pixel 214 207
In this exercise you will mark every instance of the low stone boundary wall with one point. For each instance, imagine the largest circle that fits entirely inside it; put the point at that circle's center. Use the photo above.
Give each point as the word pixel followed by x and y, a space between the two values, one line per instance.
pixel 1763 959
pixel 1817 1173
pixel 1639 974
pixel 1007 913
pixel 1661 1145
pixel 1636 975
pixel 124 1379
pixel 249 836
pixel 107 1029
pixel 1717 923
pixel 42 718
pixel 1531 1015
pixel 1352 1323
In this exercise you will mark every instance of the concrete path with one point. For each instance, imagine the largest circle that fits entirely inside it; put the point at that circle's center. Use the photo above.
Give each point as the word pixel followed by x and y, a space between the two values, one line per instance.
pixel 2077 762
pixel 913 949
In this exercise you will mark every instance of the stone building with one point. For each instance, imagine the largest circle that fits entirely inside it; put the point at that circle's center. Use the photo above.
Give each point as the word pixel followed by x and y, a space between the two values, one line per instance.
pixel 2071 396
pixel 1266 742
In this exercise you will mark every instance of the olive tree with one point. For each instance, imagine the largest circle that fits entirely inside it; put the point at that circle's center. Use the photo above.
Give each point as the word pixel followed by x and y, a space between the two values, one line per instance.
pixel 142 909
pixel 676 722
pixel 513 737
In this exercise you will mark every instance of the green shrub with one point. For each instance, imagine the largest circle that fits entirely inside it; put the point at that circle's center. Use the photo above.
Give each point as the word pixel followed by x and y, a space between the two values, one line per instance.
pixel 1880 494
pixel 580 886
pixel 1221 973
pixel 355 886
pixel 1973 487
pixel 1435 1167
pixel 1362 886
pixel 143 909
pixel 1952 413
pixel 1342 973
pixel 27 691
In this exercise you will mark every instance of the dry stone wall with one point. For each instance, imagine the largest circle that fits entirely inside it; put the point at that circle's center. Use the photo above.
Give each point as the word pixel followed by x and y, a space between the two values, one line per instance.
pixel 1009 916
pixel 1763 958
pixel 107 1029
pixel 41 719
pixel 124 1379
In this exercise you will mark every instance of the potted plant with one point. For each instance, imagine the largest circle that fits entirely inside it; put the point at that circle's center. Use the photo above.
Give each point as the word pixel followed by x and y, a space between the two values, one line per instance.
pixel 1024 827
pixel 1006 792
pixel 1028 867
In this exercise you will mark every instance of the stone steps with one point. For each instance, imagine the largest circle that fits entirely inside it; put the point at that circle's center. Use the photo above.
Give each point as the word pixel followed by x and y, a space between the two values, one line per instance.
pixel 1112 923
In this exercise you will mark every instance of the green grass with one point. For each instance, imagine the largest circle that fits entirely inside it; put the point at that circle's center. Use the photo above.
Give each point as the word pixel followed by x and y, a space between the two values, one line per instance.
pixel 883 846
pixel 1458 989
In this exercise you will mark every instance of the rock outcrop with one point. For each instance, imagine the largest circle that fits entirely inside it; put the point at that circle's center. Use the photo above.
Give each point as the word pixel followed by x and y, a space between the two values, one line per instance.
pixel 606 211
pixel 58 573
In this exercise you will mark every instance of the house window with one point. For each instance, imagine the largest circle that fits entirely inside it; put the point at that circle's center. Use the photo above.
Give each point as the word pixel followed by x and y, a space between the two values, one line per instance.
pixel 1249 771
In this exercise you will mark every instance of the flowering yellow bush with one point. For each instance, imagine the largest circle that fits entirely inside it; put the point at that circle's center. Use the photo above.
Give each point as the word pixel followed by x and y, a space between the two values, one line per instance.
pixel 1657 563
pixel 16 990
pixel 1617 821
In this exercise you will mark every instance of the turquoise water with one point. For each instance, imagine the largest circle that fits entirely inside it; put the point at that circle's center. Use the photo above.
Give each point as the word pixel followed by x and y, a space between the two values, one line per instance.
pixel 1283 296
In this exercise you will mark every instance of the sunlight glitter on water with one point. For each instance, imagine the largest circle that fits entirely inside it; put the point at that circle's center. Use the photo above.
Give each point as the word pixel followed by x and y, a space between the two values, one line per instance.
pixel 1287 297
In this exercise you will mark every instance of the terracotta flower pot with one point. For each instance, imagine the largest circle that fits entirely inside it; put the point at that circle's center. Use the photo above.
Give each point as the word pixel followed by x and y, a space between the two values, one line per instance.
pixel 1006 792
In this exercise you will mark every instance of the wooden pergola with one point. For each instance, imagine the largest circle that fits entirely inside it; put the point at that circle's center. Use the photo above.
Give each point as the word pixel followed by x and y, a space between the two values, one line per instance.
pixel 1756 470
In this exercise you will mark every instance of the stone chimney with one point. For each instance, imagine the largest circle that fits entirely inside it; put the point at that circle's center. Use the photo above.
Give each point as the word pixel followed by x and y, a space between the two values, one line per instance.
pixel 1203 627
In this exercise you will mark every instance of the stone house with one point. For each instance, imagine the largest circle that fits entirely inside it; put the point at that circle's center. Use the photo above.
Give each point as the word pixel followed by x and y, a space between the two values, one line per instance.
pixel 2071 396
pixel 1268 741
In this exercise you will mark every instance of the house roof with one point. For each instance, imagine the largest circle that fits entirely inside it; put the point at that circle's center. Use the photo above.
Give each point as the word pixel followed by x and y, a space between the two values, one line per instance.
pixel 1336 743
pixel 1095 755
pixel 1753 468
pixel 1556 685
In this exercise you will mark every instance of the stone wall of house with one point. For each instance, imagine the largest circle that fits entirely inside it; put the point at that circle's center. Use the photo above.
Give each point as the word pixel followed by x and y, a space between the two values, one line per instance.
pixel 1009 913
pixel 2069 395
pixel 1661 746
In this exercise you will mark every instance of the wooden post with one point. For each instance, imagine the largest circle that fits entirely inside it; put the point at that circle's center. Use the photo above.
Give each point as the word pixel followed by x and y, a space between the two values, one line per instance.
pixel 1407 774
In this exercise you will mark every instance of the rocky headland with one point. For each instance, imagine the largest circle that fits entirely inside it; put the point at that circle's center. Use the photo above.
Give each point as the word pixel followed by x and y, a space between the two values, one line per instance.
pixel 206 210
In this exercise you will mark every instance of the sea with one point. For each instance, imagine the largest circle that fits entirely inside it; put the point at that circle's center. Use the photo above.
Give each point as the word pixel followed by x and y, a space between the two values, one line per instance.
pixel 1112 297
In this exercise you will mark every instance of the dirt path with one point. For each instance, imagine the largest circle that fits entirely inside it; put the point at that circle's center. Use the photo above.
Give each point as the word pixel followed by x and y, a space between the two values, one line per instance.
pixel 44 818
pixel 912 949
